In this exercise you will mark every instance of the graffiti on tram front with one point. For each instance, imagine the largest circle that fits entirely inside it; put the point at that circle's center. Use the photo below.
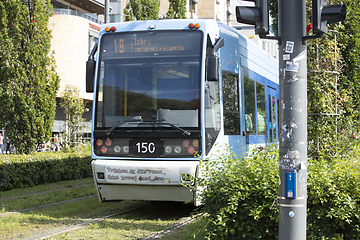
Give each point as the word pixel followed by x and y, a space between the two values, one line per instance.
pixel 139 175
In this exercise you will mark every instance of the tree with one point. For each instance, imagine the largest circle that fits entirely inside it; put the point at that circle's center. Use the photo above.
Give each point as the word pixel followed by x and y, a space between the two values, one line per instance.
pixel 333 83
pixel 177 9
pixel 28 81
pixel 142 10
pixel 273 8
pixel 74 107
pixel 349 42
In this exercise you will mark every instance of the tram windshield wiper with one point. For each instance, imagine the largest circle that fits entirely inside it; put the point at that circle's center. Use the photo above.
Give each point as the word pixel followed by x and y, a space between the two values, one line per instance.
pixel 139 120
pixel 147 121
pixel 119 123
pixel 187 133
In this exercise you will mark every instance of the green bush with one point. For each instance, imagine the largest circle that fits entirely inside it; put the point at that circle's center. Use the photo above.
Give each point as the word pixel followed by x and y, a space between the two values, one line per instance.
pixel 333 199
pixel 238 195
pixel 19 171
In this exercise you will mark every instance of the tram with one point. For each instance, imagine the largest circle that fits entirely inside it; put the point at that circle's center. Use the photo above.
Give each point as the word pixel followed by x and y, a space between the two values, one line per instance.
pixel 168 93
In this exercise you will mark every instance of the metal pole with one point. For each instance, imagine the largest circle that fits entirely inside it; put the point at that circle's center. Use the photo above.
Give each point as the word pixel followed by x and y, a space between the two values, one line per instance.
pixel 293 120
pixel 106 12
pixel 69 134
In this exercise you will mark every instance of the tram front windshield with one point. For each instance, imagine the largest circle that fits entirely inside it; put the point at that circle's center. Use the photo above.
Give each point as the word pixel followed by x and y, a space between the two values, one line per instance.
pixel 149 79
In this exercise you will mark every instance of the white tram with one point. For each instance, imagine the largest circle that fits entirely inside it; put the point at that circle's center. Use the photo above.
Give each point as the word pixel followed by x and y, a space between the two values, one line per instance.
pixel 169 92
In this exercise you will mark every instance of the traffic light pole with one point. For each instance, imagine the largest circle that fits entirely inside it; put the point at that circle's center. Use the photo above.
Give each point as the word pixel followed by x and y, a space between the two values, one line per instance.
pixel 293 98
pixel 293 120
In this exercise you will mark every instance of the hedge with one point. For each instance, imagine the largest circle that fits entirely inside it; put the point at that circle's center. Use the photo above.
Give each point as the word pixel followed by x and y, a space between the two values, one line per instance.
pixel 238 196
pixel 20 171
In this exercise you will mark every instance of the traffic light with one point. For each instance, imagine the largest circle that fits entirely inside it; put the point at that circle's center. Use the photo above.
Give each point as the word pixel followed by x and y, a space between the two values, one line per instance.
pixel 324 14
pixel 258 16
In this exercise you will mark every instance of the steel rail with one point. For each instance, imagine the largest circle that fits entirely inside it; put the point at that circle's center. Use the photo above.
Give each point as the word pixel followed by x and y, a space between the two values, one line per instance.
pixel 79 225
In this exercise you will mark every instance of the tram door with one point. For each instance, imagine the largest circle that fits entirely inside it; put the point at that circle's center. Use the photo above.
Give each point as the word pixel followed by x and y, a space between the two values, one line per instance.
pixel 231 106
pixel 272 107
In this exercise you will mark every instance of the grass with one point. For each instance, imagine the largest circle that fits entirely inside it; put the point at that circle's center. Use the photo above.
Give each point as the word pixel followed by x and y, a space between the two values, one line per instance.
pixel 186 232
pixel 57 217
pixel 146 220
pixel 143 222
pixel 48 198
pixel 47 187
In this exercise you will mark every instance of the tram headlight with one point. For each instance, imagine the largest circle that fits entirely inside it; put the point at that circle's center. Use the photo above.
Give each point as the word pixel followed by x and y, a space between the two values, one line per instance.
pixel 126 149
pixel 168 149
pixel 111 146
pixel 181 147
pixel 177 149
pixel 100 175
pixel 117 149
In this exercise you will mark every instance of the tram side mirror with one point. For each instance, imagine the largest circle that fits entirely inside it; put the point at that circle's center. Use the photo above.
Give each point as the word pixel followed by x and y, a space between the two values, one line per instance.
pixel 213 68
pixel 90 72
pixel 213 62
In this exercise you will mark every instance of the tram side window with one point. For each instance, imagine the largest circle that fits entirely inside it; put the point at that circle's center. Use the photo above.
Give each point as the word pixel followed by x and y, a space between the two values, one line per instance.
pixel 212 114
pixel 250 111
pixel 231 103
pixel 261 112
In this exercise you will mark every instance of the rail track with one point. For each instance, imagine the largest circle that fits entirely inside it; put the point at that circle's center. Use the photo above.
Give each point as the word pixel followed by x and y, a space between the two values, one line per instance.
pixel 55 219
pixel 74 227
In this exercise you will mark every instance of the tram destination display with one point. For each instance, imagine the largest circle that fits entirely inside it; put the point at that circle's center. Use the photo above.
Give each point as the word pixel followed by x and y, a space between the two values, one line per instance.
pixel 150 44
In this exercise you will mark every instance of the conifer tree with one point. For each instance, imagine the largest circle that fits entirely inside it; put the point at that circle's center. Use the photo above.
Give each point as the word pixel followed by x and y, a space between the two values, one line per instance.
pixel 28 81
pixel 74 107
pixel 142 10
pixel 177 9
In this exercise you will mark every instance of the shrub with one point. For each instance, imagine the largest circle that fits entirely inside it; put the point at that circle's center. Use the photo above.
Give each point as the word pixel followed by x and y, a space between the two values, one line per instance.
pixel 237 196
pixel 333 199
pixel 19 171
pixel 238 193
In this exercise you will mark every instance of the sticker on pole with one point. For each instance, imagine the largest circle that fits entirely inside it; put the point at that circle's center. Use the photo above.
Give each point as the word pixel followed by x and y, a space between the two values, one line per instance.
pixel 292 66
pixel 289 47
pixel 286 57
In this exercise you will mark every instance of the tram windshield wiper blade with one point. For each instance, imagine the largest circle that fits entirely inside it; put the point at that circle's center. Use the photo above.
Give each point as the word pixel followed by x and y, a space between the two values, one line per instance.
pixel 119 123
pixel 145 121
pixel 187 133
